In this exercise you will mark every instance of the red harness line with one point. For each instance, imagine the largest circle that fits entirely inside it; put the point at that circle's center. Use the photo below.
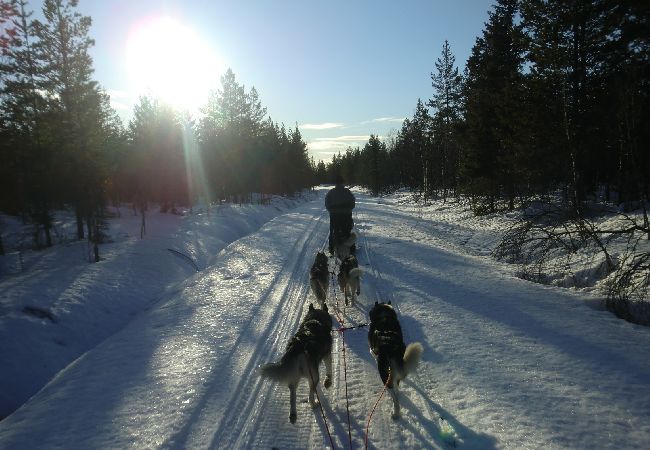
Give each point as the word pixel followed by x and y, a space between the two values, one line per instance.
pixel 342 330
pixel 383 391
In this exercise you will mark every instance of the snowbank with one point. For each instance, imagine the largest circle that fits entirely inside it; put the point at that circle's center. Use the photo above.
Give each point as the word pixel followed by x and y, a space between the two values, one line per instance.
pixel 54 305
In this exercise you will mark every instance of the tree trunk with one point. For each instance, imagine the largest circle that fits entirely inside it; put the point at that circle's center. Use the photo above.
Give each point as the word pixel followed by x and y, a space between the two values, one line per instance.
pixel 80 222
pixel 143 224
pixel 48 235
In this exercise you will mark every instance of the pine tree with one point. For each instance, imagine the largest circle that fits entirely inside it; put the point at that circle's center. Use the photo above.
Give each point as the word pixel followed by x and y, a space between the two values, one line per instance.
pixel 7 31
pixel 27 152
pixel 229 132
pixel 75 102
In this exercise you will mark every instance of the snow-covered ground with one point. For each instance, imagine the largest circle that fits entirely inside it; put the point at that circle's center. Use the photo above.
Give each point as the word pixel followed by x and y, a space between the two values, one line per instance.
pixel 507 363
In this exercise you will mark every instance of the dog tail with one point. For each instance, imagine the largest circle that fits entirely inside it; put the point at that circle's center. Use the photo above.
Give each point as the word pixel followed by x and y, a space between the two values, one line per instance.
pixel 275 371
pixel 412 357
pixel 319 290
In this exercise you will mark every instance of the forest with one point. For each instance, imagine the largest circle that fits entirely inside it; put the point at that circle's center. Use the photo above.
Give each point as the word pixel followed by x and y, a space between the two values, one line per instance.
pixel 548 111
pixel 63 145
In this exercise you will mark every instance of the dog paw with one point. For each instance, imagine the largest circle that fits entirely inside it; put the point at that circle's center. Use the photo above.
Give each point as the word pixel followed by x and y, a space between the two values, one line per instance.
pixel 327 383
pixel 292 417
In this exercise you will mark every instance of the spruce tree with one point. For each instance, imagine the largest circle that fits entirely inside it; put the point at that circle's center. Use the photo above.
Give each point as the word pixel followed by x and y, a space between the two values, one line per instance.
pixel 412 149
pixel 159 169
pixel 374 155
pixel 565 39
pixel 492 164
pixel 623 109
pixel 446 102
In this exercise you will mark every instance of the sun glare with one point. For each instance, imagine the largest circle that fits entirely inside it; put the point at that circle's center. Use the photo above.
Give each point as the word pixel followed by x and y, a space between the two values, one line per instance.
pixel 171 62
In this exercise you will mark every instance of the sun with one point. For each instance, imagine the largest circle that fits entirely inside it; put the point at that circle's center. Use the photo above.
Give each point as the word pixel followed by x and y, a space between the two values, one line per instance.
pixel 170 61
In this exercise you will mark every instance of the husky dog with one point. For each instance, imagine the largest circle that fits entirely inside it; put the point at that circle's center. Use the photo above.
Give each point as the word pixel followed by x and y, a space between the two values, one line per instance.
pixel 346 246
pixel 394 359
pixel 349 277
pixel 306 349
pixel 319 277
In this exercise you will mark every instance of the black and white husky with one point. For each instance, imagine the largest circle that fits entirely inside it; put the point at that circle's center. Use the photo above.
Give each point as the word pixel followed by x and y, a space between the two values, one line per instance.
pixel 349 278
pixel 394 359
pixel 306 349
pixel 319 277
pixel 345 247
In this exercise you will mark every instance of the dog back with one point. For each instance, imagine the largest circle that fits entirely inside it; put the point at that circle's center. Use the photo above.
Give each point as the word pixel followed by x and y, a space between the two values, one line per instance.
pixel 349 262
pixel 319 270
pixel 314 334
pixel 313 340
pixel 385 338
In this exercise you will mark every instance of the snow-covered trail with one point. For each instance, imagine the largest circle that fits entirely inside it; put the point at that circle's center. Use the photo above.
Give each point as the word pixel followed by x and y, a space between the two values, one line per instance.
pixel 507 363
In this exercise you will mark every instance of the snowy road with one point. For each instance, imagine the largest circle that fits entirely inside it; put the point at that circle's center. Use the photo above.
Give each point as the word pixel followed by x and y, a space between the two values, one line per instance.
pixel 507 363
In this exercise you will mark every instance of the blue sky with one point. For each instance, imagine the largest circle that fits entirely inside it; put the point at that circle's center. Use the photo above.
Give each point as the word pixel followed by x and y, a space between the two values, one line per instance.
pixel 342 70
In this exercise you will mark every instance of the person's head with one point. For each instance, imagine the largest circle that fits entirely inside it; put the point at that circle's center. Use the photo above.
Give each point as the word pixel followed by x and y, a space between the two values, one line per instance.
pixel 339 180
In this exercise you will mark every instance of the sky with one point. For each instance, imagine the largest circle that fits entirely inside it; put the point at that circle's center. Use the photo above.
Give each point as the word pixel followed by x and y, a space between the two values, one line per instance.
pixel 340 69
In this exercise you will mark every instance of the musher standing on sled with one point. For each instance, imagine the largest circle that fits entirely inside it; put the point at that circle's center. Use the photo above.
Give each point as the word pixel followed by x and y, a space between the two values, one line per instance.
pixel 339 202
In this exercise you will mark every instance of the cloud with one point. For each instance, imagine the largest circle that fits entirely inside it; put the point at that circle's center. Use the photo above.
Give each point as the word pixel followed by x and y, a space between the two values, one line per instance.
pixel 332 145
pixel 389 119
pixel 320 126
pixel 325 148
pixel 119 105
pixel 345 138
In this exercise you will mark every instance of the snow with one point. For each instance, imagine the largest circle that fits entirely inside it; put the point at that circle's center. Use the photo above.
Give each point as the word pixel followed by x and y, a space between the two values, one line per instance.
pixel 168 357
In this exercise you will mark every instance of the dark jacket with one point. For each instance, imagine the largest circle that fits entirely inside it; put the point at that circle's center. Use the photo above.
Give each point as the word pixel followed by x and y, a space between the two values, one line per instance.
pixel 339 200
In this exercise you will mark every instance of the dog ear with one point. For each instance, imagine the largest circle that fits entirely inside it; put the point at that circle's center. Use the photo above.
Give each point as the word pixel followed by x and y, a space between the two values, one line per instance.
pixel 389 302
pixel 376 302
pixel 311 306
pixel 325 307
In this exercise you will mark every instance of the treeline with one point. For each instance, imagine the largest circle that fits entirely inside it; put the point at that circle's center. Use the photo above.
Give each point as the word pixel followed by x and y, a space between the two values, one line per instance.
pixel 62 145
pixel 553 98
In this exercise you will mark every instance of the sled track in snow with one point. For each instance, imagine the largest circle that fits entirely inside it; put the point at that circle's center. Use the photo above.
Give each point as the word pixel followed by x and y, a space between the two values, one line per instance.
pixel 259 409
pixel 412 394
